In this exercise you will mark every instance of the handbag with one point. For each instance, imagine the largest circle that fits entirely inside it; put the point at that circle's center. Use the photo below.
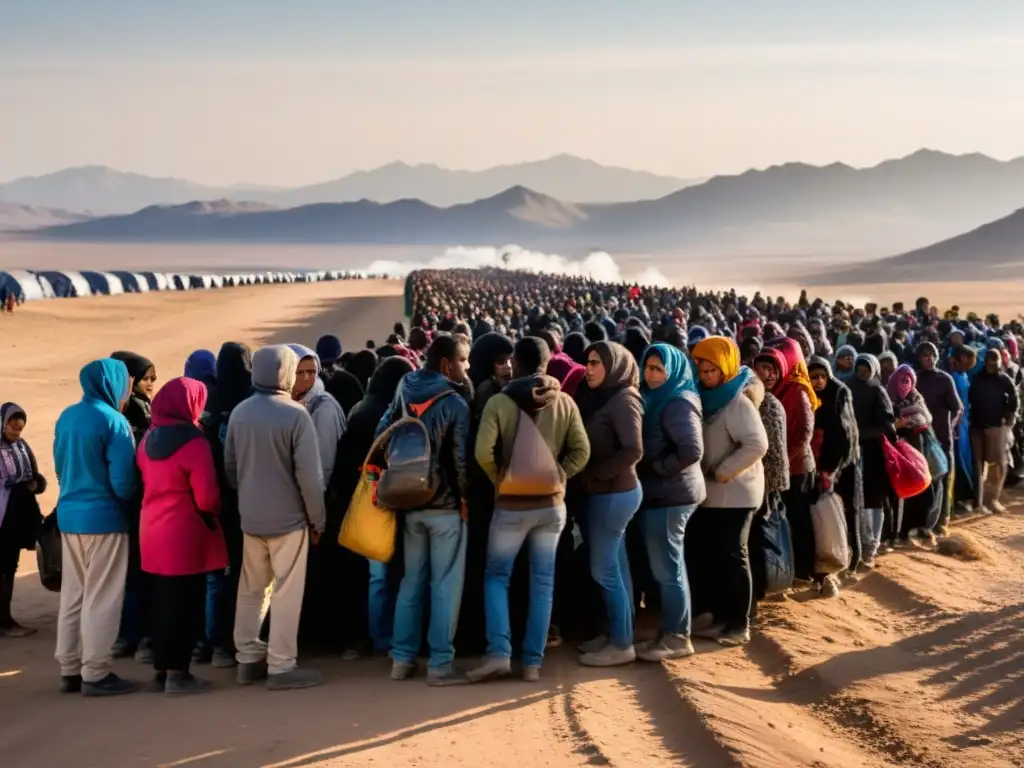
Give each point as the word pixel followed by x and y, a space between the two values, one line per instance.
pixel 776 547
pixel 938 461
pixel 907 469
pixel 49 553
pixel 368 528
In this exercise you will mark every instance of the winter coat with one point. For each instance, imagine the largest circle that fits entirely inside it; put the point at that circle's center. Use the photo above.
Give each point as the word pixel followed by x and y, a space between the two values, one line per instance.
pixel 735 442
pixel 775 461
pixel 670 471
pixel 993 400
pixel 447 423
pixel 939 393
pixel 178 533
pixel 94 454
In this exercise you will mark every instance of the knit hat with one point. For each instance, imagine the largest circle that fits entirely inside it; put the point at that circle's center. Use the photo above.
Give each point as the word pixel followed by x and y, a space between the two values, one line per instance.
pixel 328 349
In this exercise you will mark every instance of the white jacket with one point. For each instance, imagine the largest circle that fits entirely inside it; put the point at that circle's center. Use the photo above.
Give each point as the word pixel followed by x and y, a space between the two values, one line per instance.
pixel 734 444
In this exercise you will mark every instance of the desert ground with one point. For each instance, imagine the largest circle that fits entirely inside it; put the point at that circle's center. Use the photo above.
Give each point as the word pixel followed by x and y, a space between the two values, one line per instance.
pixel 920 663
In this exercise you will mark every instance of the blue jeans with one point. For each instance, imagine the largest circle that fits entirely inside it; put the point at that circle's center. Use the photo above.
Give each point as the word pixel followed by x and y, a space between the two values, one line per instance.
pixel 382 607
pixel 663 529
pixel 435 553
pixel 509 530
pixel 215 581
pixel 872 523
pixel 607 515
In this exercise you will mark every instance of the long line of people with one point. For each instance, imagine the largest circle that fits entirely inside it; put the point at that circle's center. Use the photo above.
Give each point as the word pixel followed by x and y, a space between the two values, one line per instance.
pixel 581 453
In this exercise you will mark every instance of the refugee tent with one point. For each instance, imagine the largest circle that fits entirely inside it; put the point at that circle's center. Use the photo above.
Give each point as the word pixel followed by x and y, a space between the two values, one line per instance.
pixel 201 281
pixel 22 284
pixel 104 283
pixel 179 282
pixel 67 284
pixel 133 282
pixel 218 281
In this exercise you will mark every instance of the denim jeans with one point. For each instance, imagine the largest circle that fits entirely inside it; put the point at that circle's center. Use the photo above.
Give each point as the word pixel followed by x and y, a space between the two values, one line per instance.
pixel 382 607
pixel 607 515
pixel 663 529
pixel 435 554
pixel 872 524
pixel 215 582
pixel 509 530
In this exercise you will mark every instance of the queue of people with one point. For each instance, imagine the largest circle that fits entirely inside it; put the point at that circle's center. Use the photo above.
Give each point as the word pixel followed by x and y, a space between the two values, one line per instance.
pixel 562 455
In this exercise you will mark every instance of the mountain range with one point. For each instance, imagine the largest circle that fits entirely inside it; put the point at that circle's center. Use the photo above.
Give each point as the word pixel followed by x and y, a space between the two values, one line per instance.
pixel 793 209
pixel 100 190
pixel 16 216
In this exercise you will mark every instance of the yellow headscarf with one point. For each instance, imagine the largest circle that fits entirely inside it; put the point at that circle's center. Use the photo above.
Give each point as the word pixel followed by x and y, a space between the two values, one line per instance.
pixel 720 352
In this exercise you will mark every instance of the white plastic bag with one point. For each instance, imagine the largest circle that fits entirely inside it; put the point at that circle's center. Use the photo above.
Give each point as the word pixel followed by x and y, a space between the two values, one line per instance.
pixel 831 547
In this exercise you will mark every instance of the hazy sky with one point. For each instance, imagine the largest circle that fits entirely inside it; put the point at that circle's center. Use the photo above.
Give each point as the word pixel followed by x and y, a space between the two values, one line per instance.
pixel 292 92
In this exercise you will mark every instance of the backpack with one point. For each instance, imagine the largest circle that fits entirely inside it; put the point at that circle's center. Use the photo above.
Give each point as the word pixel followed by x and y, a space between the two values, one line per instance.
pixel 408 480
pixel 531 469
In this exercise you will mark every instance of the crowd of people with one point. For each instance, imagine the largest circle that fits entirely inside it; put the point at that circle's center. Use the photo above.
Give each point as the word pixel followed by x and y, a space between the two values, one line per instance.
pixel 561 455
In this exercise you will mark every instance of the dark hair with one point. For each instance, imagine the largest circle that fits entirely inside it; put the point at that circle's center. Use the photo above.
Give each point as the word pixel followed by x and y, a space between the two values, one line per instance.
pixel 444 347
pixel 531 355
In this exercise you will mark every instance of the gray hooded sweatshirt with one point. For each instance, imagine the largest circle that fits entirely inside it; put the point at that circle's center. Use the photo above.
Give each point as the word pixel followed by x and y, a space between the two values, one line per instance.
pixel 271 453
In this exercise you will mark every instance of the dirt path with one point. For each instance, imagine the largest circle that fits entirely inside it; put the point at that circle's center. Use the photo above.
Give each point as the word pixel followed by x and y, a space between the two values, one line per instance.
pixel 921 664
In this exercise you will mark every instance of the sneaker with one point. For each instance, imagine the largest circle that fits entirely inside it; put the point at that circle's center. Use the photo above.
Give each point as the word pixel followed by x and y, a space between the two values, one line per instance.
pixel 248 674
pixel 295 679
pixel 70 684
pixel 441 677
pixel 594 645
pixel 158 684
pixel 735 637
pixel 712 632
pixel 531 673
pixel 997 507
pixel 867 564
pixel 668 646
pixel 144 654
pixel 223 659
pixel 493 667
pixel 401 670
pixel 830 588
pixel 183 685
pixel 202 653
pixel 609 656
pixel 14 629
pixel 122 649
pixel 111 685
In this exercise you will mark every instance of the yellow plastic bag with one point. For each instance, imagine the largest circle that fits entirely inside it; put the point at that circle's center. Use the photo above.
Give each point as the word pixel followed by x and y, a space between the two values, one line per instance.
pixel 367 529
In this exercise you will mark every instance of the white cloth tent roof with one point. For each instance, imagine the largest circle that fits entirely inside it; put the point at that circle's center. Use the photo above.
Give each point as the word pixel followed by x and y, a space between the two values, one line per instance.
pixel 23 284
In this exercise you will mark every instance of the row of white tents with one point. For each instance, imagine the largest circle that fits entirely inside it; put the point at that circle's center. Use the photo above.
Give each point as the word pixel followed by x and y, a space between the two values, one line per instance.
pixel 27 285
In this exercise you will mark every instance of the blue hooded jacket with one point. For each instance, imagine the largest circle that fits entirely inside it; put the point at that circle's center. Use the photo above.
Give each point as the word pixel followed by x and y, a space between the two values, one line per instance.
pixel 94 454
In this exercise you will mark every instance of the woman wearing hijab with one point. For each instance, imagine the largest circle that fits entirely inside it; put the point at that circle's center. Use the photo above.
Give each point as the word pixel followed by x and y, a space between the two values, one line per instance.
pixel 180 539
pixel 875 422
pixel 845 357
pixel 234 384
pixel 673 487
pixel 201 365
pixel 320 620
pixel 913 420
pixel 20 483
pixel 612 412
pixel 837 450
pixel 792 386
pixel 735 441
pixel 377 580
pixel 134 636
pixel 569 373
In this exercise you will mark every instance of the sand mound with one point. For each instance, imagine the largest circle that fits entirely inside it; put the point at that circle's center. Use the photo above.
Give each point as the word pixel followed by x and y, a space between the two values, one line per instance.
pixel 963 546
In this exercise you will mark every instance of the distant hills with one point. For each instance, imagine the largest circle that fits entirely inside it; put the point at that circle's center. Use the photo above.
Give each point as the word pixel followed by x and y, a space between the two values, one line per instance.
pixel 101 190
pixel 16 216
pixel 990 252
pixel 787 210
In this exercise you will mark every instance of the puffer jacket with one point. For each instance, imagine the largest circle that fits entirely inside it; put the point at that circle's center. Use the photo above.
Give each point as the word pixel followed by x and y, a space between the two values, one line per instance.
pixel 670 471
pixel 735 442
pixel 447 422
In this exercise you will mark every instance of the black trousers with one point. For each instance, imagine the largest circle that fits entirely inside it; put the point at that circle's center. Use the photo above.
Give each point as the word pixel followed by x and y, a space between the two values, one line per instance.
pixel 178 619
pixel 846 487
pixel 718 564
pixel 798 508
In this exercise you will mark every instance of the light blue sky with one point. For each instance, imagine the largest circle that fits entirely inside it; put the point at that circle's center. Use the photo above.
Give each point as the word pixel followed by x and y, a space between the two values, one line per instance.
pixel 299 91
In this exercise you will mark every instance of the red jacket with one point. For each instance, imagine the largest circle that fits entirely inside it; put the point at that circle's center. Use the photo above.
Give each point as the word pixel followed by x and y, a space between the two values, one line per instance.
pixel 179 533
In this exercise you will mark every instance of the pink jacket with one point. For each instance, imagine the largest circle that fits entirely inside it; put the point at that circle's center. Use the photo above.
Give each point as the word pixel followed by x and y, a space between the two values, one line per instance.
pixel 179 531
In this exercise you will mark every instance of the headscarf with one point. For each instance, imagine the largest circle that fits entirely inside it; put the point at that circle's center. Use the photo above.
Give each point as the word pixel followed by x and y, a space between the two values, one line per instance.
pixel 679 379
pixel 234 378
pixel 798 375
pixel 176 411
pixel 139 410
pixel 17 465
pixel 621 372
pixel 902 375
pixel 137 365
pixel 362 366
pixel 568 372
pixel 201 365
pixel 724 355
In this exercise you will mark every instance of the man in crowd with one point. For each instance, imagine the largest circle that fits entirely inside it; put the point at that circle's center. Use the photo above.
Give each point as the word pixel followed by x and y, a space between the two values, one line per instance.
pixel 434 535
pixel 993 398
pixel 532 430
pixel 939 393
pixel 272 457
pixel 94 458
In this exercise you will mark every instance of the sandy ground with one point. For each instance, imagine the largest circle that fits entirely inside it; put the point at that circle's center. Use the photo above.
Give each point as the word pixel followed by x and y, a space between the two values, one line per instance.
pixel 918 664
